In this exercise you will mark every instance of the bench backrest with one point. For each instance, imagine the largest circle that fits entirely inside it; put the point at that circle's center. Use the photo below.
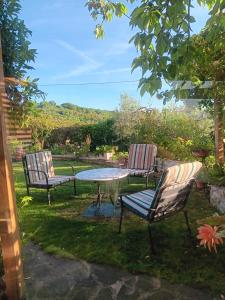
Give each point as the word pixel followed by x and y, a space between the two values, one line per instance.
pixel 141 156
pixel 40 161
pixel 174 188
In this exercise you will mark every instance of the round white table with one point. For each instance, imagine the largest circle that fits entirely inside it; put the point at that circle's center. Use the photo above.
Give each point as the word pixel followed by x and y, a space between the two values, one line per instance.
pixel 102 175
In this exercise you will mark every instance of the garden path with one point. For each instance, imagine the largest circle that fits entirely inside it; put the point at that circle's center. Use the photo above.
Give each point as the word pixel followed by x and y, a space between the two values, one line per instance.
pixel 50 277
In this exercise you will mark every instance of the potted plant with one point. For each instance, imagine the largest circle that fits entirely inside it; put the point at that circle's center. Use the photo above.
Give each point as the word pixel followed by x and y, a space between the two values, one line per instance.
pixel 202 147
pixel 201 180
pixel 121 158
pixel 105 152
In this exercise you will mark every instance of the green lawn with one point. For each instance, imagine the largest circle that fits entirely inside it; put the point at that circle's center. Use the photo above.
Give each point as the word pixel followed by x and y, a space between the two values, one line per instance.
pixel 61 230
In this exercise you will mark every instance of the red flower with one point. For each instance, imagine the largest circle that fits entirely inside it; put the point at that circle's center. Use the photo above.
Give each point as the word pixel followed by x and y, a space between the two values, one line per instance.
pixel 209 236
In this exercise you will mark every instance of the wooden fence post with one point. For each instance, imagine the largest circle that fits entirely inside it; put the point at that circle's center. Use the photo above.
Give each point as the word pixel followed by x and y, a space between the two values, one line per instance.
pixel 9 231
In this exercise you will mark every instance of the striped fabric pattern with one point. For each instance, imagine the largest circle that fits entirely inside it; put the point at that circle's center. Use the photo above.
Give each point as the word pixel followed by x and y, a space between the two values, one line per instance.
pixel 181 173
pixel 172 199
pixel 140 202
pixel 41 161
pixel 54 181
pixel 169 197
pixel 141 156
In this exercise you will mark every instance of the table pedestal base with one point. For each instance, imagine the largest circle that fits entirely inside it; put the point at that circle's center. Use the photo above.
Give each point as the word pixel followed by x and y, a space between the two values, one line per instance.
pixel 106 210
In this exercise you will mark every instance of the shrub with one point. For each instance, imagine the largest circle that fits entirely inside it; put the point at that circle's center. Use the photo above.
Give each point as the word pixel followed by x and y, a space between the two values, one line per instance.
pixel 175 132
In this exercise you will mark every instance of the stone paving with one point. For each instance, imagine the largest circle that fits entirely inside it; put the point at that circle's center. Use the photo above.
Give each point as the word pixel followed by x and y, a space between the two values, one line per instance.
pixel 48 277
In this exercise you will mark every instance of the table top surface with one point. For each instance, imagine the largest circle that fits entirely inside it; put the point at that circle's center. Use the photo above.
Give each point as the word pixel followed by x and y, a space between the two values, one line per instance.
pixel 102 174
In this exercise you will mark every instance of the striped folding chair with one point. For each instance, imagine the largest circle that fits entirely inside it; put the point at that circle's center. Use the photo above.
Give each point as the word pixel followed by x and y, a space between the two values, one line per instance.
pixel 170 196
pixel 141 160
pixel 39 173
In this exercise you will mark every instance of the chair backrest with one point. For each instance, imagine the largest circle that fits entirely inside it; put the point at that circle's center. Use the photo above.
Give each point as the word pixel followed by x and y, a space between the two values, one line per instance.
pixel 40 161
pixel 173 189
pixel 141 156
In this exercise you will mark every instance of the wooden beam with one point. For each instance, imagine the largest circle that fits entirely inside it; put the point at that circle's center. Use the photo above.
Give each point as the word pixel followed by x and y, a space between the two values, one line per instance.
pixel 9 231
pixel 219 131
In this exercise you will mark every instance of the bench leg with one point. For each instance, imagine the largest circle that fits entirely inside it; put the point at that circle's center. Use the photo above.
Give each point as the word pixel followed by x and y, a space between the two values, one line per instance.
pixel 187 222
pixel 146 182
pixel 28 191
pixel 152 248
pixel 121 215
pixel 75 187
pixel 49 197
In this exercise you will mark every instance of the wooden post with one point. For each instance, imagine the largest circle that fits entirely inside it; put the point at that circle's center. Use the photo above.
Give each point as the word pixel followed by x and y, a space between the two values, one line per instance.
pixel 9 231
pixel 219 147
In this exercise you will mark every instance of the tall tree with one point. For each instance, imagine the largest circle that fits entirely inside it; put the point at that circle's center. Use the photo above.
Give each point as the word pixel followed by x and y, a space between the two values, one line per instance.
pixel 165 49
pixel 17 57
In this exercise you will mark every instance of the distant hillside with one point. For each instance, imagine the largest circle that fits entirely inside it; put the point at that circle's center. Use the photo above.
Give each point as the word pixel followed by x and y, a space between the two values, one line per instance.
pixel 71 114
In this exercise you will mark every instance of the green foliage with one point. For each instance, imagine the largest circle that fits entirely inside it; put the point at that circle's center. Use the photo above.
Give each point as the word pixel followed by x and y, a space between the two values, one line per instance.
pixel 213 173
pixel 120 156
pixel 216 175
pixel 53 124
pixel 127 120
pixel 215 220
pixel 175 132
pixel 13 144
pixel 17 57
pixel 101 133
pixel 105 149
pixel 163 38
pixel 26 200
pixel 168 52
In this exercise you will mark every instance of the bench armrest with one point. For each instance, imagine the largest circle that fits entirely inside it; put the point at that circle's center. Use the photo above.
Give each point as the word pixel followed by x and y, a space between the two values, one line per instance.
pixel 38 171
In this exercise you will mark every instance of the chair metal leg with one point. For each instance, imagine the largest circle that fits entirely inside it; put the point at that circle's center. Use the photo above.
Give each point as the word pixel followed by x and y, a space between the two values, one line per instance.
pixel 28 191
pixel 152 248
pixel 121 216
pixel 49 197
pixel 187 222
pixel 74 187
pixel 146 184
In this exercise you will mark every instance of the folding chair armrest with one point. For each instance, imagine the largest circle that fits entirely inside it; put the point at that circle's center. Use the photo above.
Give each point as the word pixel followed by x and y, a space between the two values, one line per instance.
pixel 38 171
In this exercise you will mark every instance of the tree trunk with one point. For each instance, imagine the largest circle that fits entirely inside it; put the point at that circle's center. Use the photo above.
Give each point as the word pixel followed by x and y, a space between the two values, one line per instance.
pixel 219 147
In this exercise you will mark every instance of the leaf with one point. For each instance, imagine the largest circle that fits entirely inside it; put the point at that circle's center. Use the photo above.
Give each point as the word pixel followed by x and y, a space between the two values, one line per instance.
pixel 120 9
pixel 99 32
pixel 215 220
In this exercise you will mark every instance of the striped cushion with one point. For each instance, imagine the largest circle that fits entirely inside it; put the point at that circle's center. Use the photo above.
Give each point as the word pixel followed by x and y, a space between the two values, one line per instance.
pixel 170 195
pixel 140 202
pixel 141 156
pixel 41 161
pixel 54 181
pixel 172 199
pixel 181 173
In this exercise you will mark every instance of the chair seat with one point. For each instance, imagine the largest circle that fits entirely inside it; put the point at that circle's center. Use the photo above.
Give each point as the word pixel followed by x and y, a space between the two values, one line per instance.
pixel 54 181
pixel 140 202
pixel 139 172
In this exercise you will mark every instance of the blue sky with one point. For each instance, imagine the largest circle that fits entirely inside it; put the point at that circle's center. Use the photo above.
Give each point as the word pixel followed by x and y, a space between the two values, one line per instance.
pixel 69 53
